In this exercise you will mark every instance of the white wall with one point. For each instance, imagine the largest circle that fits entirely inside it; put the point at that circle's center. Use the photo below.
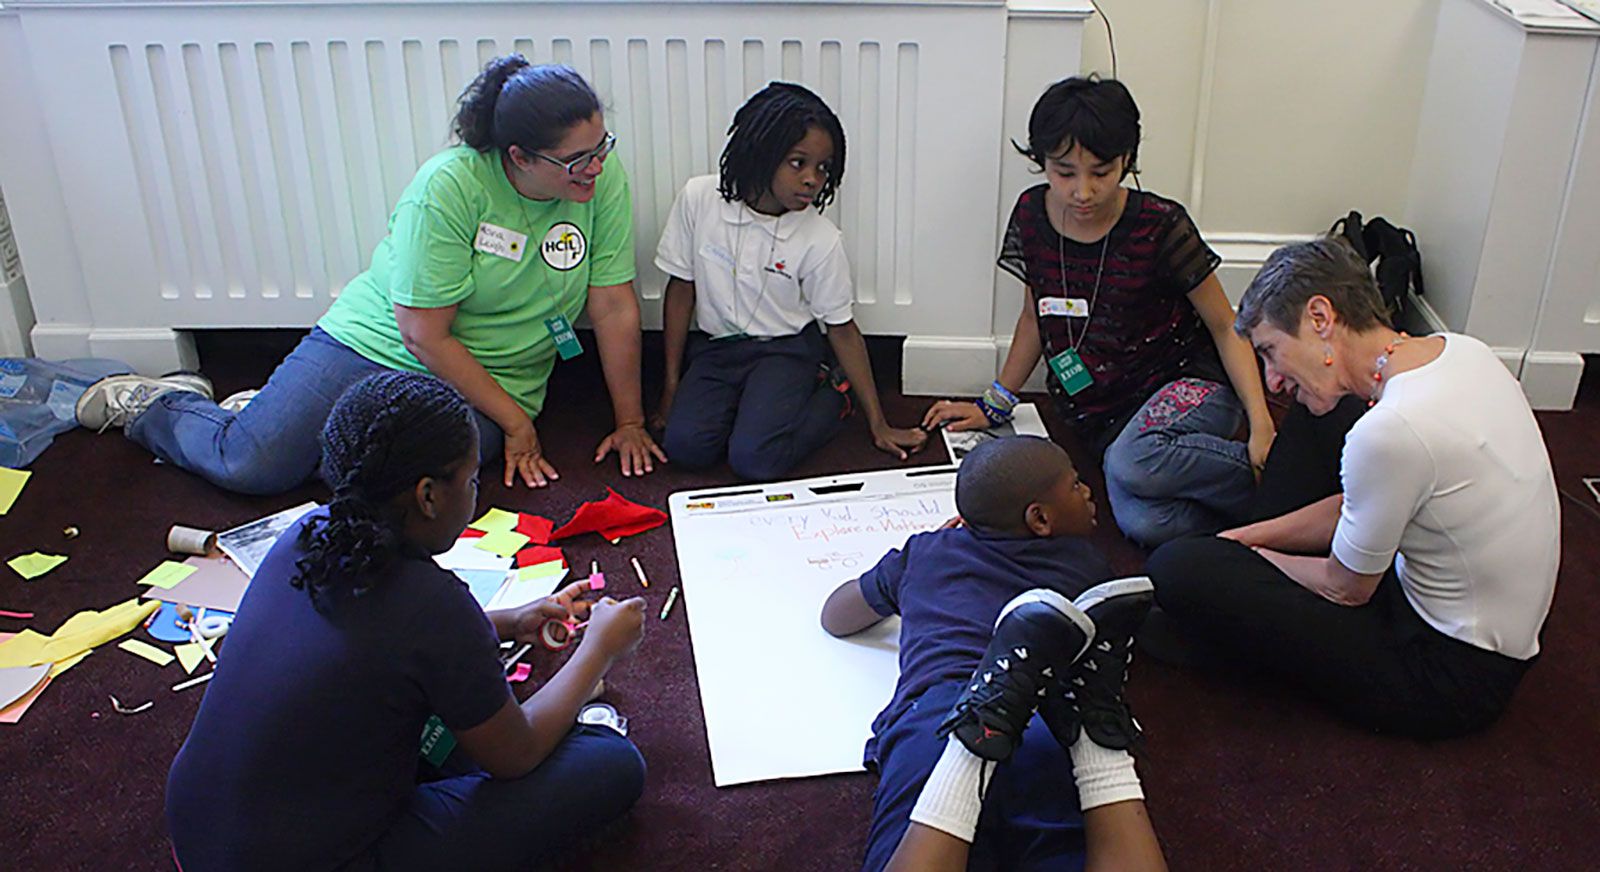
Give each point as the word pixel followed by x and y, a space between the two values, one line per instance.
pixel 1269 118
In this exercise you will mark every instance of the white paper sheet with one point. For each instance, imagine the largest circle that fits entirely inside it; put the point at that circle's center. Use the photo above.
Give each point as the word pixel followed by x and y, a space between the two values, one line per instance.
pixel 1025 421
pixel 782 698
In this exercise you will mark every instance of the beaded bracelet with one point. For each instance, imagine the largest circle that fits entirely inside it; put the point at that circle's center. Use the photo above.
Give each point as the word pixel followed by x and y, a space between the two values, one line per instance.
pixel 995 416
pixel 1009 397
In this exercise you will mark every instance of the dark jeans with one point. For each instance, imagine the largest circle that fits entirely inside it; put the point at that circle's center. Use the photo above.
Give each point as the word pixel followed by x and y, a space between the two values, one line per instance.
pixel 757 402
pixel 473 821
pixel 1030 817
pixel 1378 664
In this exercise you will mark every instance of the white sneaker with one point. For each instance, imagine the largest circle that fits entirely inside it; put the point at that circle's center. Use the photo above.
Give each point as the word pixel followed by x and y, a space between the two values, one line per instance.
pixel 235 403
pixel 118 399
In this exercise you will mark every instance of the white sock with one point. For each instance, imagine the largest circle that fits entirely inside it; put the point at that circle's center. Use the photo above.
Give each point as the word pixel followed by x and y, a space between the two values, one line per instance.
pixel 950 801
pixel 1104 776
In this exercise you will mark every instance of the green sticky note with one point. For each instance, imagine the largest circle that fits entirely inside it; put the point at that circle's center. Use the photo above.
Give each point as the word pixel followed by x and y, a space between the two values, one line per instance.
pixel 539 570
pixel 437 741
pixel 167 574
pixel 11 482
pixel 566 340
pixel 505 543
pixel 494 519
pixel 35 564
pixel 1069 370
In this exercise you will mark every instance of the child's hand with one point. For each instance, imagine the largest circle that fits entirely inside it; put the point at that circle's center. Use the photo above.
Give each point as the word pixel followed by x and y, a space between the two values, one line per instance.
pixel 955 416
pixel 900 443
pixel 616 627
pixel 658 421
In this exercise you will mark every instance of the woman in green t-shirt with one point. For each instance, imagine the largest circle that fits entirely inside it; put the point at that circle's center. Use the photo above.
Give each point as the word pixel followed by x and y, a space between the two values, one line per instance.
pixel 494 249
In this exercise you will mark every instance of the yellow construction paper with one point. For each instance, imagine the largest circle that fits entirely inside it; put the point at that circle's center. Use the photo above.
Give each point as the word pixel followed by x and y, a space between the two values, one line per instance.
pixel 495 520
pixel 169 573
pixel 68 663
pixel 146 650
pixel 33 565
pixel 539 570
pixel 81 632
pixel 11 482
pixel 24 649
pixel 189 656
pixel 505 543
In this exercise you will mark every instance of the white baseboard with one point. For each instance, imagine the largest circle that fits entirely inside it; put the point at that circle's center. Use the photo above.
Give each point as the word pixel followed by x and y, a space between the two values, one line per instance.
pixel 947 365
pixel 149 350
pixel 1550 379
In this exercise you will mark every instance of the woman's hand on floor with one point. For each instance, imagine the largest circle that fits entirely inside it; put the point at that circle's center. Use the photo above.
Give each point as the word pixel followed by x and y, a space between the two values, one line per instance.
pixel 525 458
pixel 956 416
pixel 634 449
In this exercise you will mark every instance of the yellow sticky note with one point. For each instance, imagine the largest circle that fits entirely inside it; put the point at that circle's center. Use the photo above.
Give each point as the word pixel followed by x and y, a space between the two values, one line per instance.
pixel 36 564
pixel 146 650
pixel 169 573
pixel 189 656
pixel 494 520
pixel 505 543
pixel 11 482
pixel 539 570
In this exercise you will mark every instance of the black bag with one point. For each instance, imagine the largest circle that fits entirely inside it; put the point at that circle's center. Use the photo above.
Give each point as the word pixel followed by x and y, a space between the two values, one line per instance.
pixel 1399 263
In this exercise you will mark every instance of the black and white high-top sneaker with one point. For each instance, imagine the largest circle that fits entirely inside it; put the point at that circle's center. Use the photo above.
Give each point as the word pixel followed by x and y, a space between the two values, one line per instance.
pixel 1037 638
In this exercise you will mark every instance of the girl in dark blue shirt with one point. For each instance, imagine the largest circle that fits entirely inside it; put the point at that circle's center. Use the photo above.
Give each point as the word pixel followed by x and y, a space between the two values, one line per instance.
pixel 304 754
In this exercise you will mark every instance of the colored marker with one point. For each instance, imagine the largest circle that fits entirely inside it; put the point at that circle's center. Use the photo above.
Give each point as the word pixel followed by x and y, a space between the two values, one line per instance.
pixel 640 571
pixel 672 597
pixel 512 663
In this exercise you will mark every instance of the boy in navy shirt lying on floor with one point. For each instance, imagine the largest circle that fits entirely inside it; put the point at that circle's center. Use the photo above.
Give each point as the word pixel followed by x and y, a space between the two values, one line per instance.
pixel 989 634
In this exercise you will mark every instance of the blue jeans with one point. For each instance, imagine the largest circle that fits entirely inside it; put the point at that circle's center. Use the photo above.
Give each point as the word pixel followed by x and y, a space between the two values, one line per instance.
pixel 1030 817
pixel 473 821
pixel 1175 469
pixel 755 401
pixel 271 446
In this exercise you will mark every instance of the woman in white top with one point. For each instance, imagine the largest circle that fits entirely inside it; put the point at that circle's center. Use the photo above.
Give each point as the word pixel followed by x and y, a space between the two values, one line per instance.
pixel 1410 590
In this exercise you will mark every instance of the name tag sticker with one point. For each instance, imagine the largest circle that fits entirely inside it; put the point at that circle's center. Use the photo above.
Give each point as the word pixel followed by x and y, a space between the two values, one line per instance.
pixel 1068 307
pixel 500 242
pixel 717 253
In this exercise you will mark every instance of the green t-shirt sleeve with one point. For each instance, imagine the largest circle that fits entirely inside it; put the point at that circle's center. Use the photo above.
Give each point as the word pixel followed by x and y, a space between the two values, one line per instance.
pixel 612 246
pixel 430 254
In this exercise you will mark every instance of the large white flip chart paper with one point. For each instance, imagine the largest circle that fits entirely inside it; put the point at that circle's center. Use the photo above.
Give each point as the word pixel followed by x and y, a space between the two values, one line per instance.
pixel 782 698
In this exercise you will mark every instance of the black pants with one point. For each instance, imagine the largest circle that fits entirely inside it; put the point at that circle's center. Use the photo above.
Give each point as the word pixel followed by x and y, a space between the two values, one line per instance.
pixel 1378 664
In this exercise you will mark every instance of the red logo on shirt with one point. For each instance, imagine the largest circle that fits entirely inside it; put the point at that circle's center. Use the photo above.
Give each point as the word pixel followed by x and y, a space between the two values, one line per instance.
pixel 780 268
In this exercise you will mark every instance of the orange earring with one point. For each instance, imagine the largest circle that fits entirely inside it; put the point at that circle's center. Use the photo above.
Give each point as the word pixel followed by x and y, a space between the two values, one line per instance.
pixel 1327 355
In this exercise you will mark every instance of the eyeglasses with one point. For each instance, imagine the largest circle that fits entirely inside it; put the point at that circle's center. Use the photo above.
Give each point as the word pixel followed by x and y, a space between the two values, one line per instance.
pixel 582 161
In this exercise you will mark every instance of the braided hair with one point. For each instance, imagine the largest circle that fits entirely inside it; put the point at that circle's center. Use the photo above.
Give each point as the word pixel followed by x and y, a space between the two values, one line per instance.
pixel 763 131
pixel 387 432
pixel 513 102
pixel 1098 114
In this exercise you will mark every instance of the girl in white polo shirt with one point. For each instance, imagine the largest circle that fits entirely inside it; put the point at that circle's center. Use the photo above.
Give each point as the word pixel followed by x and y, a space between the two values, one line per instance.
pixel 757 270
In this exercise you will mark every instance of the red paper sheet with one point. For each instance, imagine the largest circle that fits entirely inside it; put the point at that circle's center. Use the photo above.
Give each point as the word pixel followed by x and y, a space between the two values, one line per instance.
pixel 539 554
pixel 536 527
pixel 613 517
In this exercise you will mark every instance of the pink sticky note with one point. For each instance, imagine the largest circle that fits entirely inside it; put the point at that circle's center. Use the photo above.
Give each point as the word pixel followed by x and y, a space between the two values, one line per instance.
pixel 597 581
pixel 521 673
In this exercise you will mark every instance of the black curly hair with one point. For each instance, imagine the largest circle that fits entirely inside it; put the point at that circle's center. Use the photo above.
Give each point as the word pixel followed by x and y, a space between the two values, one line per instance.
pixel 387 432
pixel 1098 114
pixel 763 131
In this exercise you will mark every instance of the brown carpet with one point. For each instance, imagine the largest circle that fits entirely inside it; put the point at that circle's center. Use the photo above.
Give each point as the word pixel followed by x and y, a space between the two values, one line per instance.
pixel 1239 774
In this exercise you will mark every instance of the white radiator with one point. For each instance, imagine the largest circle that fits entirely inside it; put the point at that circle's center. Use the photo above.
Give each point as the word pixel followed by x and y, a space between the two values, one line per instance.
pixel 229 166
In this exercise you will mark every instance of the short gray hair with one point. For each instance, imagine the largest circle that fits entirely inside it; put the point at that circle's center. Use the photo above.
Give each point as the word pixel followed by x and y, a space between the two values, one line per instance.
pixel 1297 272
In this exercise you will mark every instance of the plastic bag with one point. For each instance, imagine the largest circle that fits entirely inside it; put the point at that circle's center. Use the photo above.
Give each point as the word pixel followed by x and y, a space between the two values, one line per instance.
pixel 38 401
